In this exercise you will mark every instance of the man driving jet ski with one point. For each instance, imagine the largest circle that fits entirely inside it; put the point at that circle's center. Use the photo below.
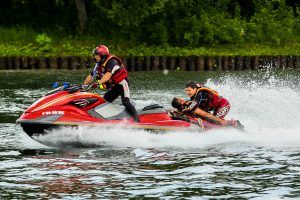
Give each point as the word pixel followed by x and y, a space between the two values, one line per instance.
pixel 111 73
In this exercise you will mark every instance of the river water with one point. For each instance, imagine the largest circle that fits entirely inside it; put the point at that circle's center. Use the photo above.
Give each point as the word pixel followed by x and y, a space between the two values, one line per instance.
pixel 97 163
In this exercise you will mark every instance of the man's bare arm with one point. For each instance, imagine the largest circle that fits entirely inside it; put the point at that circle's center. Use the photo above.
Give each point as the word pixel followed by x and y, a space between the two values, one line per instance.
pixel 209 117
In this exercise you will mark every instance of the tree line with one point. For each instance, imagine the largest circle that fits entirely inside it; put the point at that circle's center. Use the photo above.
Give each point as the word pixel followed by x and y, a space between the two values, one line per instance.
pixel 160 22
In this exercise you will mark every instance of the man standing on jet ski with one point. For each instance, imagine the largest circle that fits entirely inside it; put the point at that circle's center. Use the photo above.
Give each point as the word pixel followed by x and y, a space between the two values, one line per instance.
pixel 110 73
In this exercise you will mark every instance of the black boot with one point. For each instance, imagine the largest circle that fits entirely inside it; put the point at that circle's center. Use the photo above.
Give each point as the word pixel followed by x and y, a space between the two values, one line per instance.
pixel 136 118
pixel 130 109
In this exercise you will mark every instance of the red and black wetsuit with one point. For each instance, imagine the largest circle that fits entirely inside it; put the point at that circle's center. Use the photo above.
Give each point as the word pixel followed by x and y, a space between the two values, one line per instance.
pixel 210 101
pixel 118 84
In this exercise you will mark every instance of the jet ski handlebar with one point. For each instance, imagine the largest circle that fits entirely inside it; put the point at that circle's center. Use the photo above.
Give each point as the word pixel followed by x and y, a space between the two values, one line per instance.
pixel 89 87
pixel 73 88
pixel 83 88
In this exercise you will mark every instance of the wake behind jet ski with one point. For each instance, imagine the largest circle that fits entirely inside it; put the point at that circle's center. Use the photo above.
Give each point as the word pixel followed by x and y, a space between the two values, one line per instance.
pixel 75 105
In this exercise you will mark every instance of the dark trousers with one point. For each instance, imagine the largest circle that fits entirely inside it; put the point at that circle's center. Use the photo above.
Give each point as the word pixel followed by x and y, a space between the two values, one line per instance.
pixel 123 90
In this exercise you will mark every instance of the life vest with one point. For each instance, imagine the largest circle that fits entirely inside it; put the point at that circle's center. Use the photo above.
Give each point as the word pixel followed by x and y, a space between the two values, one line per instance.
pixel 213 97
pixel 118 75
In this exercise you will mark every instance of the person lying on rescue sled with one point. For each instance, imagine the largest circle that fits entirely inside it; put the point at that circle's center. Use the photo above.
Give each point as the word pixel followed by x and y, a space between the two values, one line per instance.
pixel 111 74
pixel 191 108
pixel 208 100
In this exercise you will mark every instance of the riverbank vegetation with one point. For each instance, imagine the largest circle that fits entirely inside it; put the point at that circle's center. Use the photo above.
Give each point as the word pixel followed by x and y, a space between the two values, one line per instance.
pixel 143 28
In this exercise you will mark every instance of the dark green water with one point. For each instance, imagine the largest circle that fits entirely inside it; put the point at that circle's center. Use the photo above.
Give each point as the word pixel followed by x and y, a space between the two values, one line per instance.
pixel 261 163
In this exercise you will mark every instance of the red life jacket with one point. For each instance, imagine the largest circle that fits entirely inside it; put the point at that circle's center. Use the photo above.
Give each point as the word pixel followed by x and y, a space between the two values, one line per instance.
pixel 213 97
pixel 118 75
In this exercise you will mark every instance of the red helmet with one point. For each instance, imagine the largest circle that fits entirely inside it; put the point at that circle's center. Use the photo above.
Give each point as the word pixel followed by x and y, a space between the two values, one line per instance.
pixel 101 50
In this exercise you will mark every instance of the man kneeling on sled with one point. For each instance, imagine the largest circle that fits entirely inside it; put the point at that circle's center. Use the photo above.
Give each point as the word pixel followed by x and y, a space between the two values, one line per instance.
pixel 191 108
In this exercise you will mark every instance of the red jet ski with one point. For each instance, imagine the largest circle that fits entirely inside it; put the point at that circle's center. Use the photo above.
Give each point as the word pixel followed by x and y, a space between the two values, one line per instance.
pixel 75 105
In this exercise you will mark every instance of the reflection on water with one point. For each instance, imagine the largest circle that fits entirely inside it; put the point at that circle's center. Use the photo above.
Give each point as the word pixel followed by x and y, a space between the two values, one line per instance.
pixel 224 171
pixel 261 163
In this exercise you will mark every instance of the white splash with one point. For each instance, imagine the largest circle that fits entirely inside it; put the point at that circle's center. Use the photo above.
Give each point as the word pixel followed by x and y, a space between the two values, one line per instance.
pixel 267 105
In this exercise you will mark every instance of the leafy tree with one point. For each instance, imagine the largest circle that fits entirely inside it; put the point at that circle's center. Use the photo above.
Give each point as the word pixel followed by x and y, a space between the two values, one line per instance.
pixel 181 23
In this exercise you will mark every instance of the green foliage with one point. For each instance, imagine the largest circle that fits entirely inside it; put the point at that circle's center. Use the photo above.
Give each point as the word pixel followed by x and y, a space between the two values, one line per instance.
pixel 160 36
pixel 84 49
pixel 143 27
pixel 43 40
pixel 272 25
pixel 17 34
pixel 218 29
pixel 44 43
pixel 199 22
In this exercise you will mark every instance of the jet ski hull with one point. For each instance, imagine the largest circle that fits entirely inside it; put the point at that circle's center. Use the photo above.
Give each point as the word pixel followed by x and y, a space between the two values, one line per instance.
pixel 32 129
pixel 75 106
